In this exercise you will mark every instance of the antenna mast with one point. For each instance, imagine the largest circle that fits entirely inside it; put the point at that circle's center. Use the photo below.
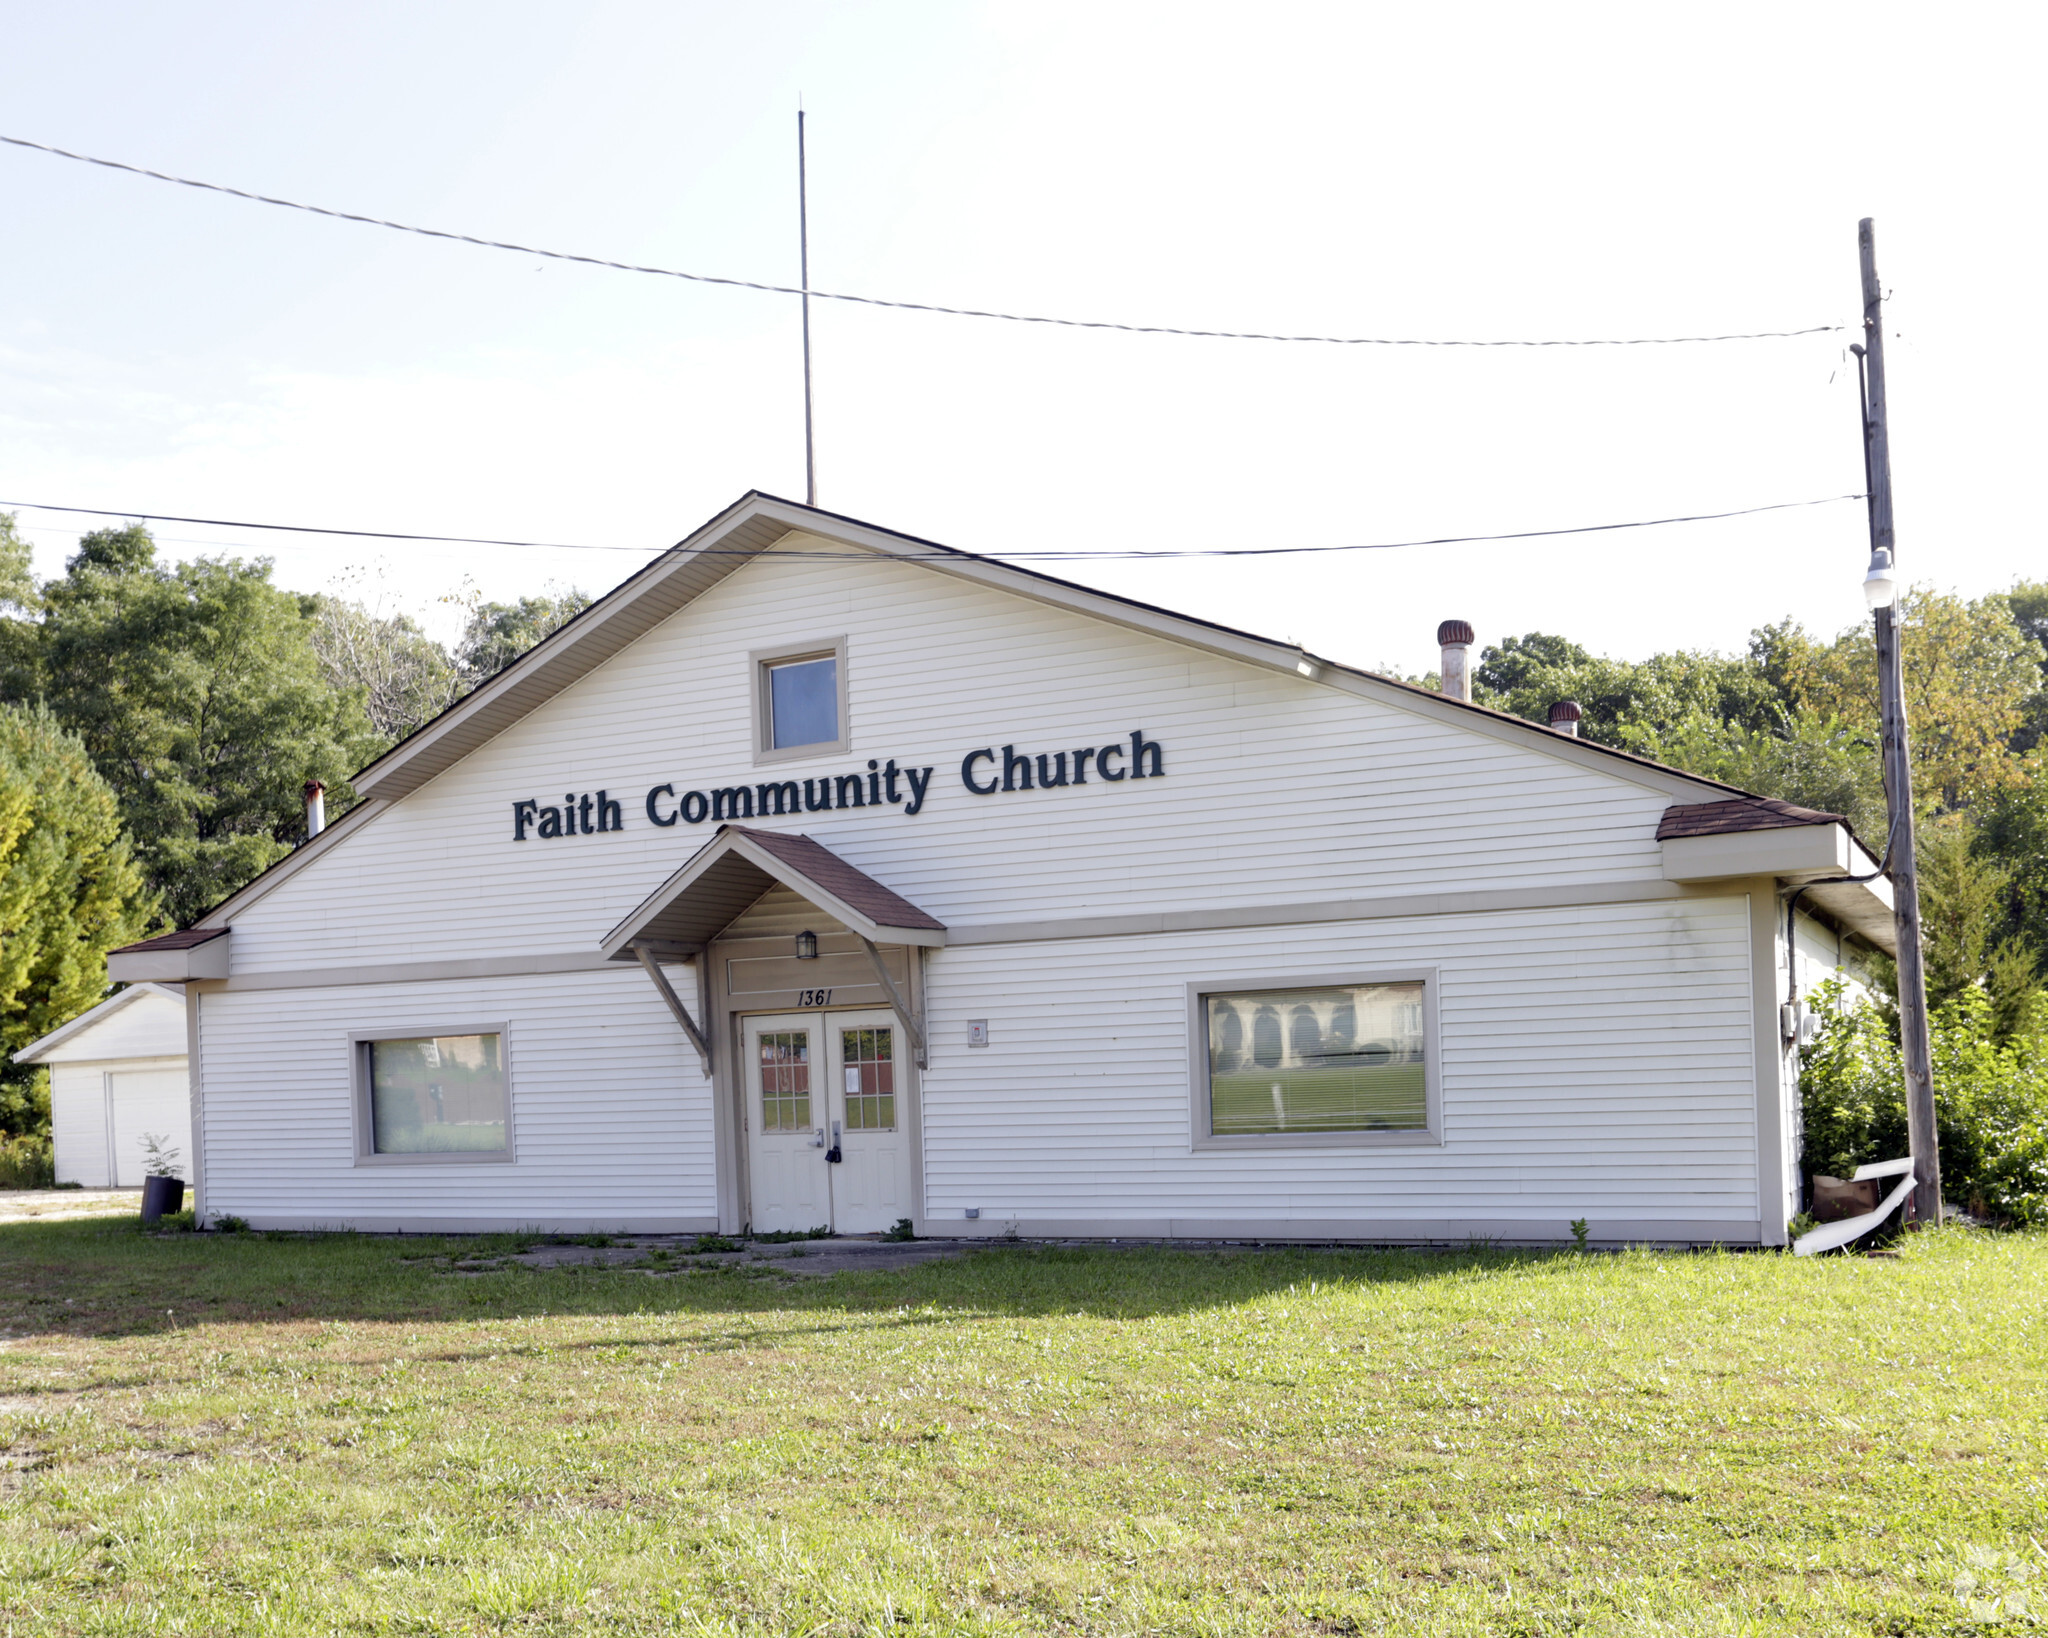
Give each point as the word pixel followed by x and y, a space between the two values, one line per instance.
pixel 803 231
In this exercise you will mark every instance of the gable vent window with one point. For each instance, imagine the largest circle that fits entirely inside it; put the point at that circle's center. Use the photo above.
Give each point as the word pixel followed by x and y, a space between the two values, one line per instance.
pixel 800 702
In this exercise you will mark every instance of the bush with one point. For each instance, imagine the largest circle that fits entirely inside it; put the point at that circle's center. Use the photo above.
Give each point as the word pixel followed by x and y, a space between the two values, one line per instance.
pixel 1990 1100
pixel 27 1162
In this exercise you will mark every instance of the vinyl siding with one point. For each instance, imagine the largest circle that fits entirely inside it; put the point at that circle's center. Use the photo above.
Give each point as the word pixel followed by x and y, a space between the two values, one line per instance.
pixel 151 1026
pixel 1595 1063
pixel 611 1113
pixel 1277 790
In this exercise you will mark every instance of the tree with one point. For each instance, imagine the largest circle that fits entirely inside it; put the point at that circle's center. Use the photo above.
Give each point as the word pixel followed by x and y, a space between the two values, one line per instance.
pixel 1970 673
pixel 199 695
pixel 1814 762
pixel 1526 675
pixel 1963 918
pixel 20 602
pixel 70 890
pixel 2028 601
pixel 498 633
pixel 399 674
pixel 2012 833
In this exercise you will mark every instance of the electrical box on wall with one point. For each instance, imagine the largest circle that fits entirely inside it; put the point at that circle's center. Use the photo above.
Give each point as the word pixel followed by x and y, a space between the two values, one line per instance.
pixel 977 1032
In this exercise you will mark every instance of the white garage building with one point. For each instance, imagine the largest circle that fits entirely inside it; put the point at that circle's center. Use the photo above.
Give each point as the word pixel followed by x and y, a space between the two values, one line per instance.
pixel 117 1079
pixel 823 876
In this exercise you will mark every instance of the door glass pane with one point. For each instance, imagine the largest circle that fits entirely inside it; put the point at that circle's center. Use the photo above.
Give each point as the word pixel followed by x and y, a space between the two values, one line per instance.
pixel 867 1059
pixel 441 1094
pixel 785 1080
pixel 1344 1059
pixel 803 702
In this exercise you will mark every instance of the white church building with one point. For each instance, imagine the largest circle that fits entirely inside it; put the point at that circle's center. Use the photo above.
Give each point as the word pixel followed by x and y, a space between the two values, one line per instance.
pixel 821 876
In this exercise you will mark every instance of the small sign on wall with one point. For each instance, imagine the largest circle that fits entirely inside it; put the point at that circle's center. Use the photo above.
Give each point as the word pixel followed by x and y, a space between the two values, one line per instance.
pixel 977 1032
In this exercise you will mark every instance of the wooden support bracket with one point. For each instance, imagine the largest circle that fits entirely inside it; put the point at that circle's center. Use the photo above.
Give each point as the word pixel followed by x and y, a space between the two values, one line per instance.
pixel 675 1004
pixel 912 1024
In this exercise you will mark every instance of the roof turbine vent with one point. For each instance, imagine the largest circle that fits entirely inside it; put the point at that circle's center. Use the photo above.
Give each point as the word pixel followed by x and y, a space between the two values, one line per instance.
pixel 1564 717
pixel 1455 638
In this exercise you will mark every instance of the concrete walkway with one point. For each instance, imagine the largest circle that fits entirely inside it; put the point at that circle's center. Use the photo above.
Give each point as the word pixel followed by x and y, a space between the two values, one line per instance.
pixel 24 1205
pixel 677 1254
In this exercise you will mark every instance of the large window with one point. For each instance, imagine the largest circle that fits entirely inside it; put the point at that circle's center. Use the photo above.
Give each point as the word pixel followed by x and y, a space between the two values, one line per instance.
pixel 800 701
pixel 437 1097
pixel 1316 1062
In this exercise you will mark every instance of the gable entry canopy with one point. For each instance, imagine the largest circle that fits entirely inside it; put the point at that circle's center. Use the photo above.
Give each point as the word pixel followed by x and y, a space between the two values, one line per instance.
pixel 731 871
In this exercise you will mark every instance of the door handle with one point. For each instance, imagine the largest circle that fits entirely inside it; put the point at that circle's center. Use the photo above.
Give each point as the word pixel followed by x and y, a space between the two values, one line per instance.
pixel 832 1155
pixel 818 1138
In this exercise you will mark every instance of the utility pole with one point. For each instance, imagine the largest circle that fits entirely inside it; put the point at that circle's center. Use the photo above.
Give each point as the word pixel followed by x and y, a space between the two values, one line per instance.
pixel 1898 769
pixel 803 234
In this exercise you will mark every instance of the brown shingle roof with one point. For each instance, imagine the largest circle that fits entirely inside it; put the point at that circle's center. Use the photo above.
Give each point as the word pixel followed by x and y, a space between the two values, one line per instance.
pixel 820 864
pixel 183 940
pixel 1739 814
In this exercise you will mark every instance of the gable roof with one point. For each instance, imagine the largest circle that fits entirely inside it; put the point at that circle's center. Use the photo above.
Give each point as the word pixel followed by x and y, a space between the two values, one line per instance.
pixel 738 865
pixel 34 1051
pixel 753 525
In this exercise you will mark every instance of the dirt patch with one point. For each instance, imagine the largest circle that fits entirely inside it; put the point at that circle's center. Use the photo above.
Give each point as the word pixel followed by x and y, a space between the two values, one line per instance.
pixel 661 1254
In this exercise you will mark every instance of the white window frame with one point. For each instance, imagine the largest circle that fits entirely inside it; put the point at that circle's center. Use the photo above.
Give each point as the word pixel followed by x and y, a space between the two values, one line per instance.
pixel 1201 1134
pixel 359 1043
pixel 765 752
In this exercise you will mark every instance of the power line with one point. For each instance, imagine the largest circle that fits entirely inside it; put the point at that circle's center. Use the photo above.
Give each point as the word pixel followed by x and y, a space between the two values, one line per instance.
pixel 906 306
pixel 951 554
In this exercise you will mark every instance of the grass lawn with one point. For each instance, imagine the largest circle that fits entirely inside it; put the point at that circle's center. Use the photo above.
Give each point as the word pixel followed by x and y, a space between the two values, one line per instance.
pixel 238 1434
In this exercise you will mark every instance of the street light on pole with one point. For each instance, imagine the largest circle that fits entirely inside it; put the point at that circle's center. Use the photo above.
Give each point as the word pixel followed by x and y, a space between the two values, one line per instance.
pixel 1881 591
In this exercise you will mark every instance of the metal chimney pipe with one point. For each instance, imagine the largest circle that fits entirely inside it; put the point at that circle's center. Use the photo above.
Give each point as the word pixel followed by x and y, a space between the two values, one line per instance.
pixel 316 808
pixel 1564 717
pixel 1454 637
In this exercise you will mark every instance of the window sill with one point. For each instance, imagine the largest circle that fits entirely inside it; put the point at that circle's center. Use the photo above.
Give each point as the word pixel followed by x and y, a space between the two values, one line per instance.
pixel 1242 1141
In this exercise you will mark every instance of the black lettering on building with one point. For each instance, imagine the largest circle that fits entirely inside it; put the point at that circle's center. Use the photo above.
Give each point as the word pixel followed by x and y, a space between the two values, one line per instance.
pixel 782 798
pixel 732 802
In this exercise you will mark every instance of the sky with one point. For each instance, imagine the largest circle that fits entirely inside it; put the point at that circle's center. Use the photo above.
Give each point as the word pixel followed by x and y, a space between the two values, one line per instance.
pixel 1455 171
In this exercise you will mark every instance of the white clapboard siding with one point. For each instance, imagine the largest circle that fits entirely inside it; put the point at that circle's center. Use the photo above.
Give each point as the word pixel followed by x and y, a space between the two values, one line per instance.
pixel 147 1023
pixel 1277 790
pixel 1595 1063
pixel 611 1113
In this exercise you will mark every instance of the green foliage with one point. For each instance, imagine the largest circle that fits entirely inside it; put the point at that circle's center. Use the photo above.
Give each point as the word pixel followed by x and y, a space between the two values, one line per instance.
pixel 2028 601
pixel 1525 675
pixel 27 1160
pixel 199 694
pixel 397 673
pixel 1990 1100
pixel 1963 900
pixel 2012 833
pixel 1814 762
pixel 69 892
pixel 498 633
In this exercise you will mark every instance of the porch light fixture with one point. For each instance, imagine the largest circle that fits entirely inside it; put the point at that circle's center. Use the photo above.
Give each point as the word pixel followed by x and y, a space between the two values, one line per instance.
pixel 807 946
pixel 1879 588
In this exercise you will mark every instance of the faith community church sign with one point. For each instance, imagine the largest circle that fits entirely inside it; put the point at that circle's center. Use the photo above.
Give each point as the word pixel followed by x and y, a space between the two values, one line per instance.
pixel 984 772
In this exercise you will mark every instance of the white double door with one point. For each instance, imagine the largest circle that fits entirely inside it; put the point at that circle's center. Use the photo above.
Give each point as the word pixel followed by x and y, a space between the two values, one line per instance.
pixel 828 1121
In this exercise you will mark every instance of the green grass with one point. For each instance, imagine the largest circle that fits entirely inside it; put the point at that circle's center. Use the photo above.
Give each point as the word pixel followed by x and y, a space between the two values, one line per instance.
pixel 262 1434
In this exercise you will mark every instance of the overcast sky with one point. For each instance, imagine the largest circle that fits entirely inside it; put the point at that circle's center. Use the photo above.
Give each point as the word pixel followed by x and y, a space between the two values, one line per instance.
pixel 1449 171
